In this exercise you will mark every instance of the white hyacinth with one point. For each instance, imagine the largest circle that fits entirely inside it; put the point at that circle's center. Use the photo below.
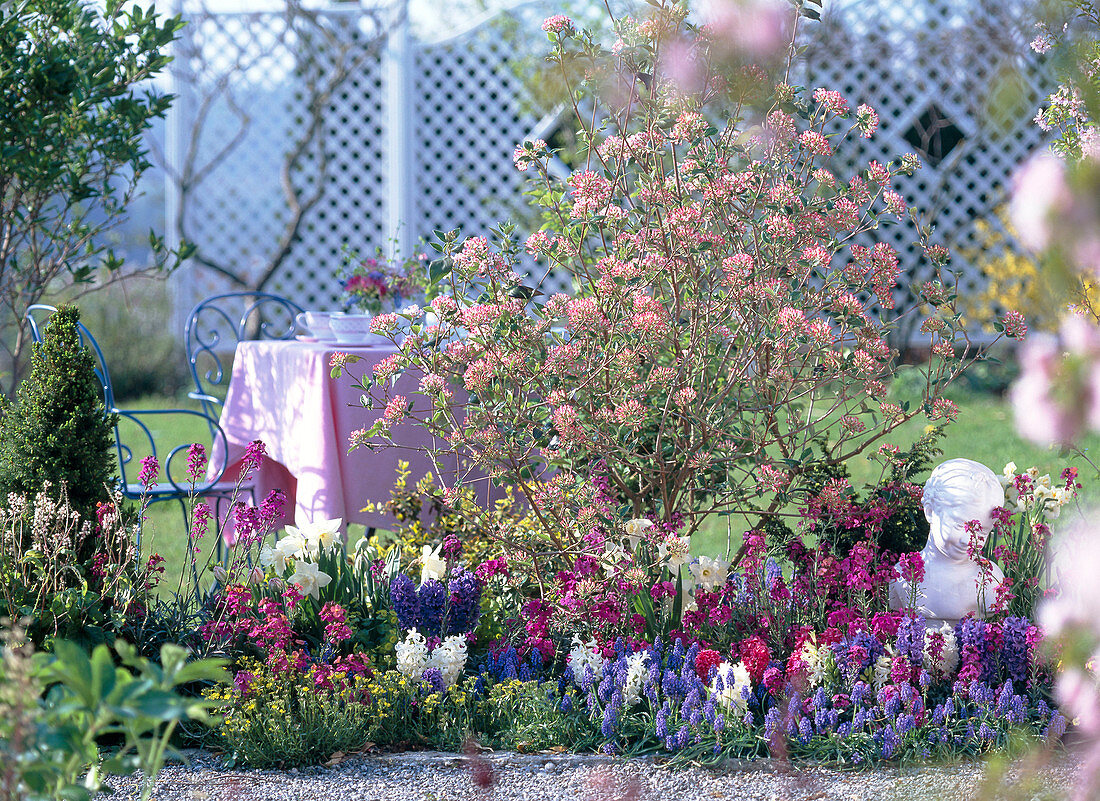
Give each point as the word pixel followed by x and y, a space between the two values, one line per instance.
pixel 586 655
pixel 450 658
pixel 637 668
pixel 735 678
pixel 816 661
pixel 412 655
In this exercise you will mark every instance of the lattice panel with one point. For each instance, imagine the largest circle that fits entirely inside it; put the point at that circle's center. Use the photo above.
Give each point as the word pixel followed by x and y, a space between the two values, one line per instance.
pixel 351 174
pixel 468 118
pixel 247 82
pixel 931 68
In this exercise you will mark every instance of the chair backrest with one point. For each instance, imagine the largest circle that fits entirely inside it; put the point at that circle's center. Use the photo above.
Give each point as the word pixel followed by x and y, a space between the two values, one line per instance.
pixel 141 436
pixel 217 324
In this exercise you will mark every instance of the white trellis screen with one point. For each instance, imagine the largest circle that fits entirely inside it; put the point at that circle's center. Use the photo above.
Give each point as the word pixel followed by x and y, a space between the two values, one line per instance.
pixel 955 82
pixel 418 136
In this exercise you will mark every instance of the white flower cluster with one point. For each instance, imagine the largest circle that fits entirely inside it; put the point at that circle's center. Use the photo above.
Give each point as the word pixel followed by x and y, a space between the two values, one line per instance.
pixel 816 661
pixel 449 657
pixel 880 671
pixel 1043 497
pixel 586 655
pixel 672 552
pixel 735 678
pixel 301 547
pixel 432 565
pixel 637 668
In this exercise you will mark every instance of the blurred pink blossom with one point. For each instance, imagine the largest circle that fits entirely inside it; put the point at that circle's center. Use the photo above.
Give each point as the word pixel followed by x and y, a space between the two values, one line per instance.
pixel 1075 561
pixel 1057 396
pixel 1079 697
pixel 748 29
pixel 1039 192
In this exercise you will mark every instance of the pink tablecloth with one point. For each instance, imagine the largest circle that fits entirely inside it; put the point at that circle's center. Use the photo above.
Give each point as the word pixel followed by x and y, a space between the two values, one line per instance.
pixel 281 393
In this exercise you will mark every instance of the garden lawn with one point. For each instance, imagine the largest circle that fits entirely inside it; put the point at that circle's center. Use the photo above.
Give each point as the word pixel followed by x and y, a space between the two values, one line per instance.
pixel 984 432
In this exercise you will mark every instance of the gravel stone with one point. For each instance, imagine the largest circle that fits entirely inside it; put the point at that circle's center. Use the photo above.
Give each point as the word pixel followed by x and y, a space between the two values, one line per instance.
pixel 433 776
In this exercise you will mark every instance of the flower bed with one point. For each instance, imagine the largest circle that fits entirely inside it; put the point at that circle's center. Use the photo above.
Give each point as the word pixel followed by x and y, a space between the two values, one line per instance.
pixel 794 653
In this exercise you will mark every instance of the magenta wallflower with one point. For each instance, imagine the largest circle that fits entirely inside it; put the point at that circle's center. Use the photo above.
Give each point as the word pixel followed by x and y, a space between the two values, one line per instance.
pixel 150 469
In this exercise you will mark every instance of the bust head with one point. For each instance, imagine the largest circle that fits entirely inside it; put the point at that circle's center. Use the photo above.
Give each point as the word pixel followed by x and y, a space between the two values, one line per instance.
pixel 958 491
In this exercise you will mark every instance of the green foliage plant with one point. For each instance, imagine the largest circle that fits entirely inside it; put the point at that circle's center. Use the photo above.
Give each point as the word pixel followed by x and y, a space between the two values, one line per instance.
pixel 75 103
pixel 44 582
pixel 52 749
pixel 59 432
pixel 282 720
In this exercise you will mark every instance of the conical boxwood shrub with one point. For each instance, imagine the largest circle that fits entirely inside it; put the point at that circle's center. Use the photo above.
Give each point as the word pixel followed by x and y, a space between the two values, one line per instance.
pixel 59 430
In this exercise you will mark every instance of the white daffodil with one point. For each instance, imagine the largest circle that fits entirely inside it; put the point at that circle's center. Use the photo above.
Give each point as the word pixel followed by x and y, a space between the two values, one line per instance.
pixel 433 566
pixel 273 557
pixel 636 529
pixel 292 544
pixel 322 536
pixel 880 672
pixel 710 573
pixel 309 578
pixel 1009 474
pixel 1043 493
pixel 613 557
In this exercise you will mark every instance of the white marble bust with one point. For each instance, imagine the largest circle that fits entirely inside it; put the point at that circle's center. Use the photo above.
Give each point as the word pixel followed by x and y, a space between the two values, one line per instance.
pixel 957 491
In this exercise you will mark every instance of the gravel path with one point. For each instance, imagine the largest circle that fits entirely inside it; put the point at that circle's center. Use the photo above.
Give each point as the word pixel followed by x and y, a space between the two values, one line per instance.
pixel 434 776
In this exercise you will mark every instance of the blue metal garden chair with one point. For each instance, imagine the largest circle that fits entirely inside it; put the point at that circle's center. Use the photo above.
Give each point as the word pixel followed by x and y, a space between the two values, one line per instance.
pixel 217 324
pixel 175 486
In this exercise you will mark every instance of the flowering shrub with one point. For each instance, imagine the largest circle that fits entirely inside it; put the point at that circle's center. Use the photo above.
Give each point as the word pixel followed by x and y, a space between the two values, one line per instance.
pixel 723 316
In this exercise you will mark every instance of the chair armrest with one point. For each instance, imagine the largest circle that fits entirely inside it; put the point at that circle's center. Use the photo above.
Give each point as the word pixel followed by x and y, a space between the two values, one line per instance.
pixel 202 396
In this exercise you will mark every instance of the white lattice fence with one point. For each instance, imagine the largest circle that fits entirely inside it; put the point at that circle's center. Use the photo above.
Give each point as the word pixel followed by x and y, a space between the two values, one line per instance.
pixel 419 136
pixel 245 146
pixel 953 82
